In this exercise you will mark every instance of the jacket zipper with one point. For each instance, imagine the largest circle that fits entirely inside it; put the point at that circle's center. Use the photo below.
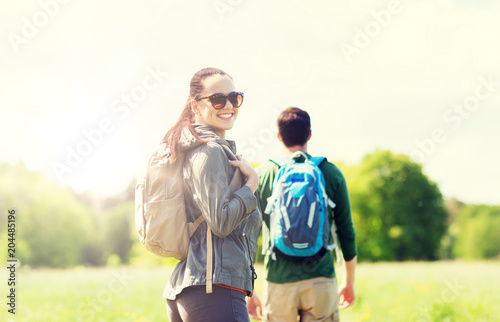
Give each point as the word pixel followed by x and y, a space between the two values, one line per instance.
pixel 254 274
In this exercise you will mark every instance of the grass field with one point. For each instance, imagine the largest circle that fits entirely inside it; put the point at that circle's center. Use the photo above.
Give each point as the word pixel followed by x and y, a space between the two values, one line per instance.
pixel 439 291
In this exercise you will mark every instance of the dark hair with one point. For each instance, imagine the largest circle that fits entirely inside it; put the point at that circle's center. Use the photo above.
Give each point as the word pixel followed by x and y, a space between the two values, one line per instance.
pixel 186 119
pixel 294 126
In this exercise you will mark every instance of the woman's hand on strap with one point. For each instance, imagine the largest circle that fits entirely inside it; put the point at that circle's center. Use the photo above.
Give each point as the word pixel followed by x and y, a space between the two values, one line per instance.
pixel 251 176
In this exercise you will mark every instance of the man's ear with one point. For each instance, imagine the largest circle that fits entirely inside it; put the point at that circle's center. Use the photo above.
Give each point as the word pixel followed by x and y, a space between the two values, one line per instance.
pixel 279 137
pixel 310 134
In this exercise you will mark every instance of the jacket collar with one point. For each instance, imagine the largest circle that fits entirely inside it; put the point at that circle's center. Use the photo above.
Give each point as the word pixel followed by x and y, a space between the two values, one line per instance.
pixel 208 133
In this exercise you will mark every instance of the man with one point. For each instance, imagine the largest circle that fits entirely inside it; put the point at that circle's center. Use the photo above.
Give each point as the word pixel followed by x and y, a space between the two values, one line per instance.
pixel 307 288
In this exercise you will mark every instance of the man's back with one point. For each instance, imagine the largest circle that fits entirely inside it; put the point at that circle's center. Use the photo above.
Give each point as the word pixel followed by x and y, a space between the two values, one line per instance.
pixel 280 270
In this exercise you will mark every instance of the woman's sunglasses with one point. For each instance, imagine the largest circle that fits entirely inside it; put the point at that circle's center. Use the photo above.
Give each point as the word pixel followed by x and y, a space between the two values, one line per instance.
pixel 218 101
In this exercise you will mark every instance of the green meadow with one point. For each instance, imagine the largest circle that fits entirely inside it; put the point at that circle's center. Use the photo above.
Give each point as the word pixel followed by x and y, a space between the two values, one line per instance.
pixel 405 291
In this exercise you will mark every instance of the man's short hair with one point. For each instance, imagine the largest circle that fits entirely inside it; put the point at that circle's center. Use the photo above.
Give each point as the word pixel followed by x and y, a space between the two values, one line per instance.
pixel 294 126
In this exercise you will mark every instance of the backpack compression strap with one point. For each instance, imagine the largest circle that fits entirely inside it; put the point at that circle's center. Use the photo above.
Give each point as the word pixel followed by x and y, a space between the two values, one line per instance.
pixel 209 260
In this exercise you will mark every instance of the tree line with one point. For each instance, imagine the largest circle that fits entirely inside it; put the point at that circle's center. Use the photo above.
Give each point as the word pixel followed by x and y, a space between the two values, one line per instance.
pixel 398 212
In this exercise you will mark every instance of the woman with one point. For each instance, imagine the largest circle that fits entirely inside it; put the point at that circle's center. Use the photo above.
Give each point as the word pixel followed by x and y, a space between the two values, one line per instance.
pixel 234 219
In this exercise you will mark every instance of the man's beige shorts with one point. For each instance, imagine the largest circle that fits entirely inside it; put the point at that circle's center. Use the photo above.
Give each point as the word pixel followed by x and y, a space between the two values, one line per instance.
pixel 314 299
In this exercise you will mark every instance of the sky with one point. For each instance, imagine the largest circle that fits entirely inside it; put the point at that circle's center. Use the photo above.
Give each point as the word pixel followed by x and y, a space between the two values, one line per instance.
pixel 89 88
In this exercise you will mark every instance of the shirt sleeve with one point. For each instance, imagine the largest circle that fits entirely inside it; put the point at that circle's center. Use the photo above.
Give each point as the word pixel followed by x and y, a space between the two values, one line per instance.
pixel 222 210
pixel 267 172
pixel 342 215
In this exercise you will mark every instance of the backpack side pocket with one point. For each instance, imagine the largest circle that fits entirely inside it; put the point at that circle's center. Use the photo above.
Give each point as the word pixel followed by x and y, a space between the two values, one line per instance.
pixel 166 228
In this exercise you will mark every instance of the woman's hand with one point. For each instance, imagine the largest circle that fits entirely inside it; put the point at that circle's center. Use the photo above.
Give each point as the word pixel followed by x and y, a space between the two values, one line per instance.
pixel 254 307
pixel 251 176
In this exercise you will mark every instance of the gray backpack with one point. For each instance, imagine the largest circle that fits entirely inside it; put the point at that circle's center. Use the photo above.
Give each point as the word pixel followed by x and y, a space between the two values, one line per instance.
pixel 160 211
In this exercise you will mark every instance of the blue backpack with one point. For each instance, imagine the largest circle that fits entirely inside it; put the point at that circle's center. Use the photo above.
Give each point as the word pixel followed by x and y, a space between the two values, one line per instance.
pixel 298 209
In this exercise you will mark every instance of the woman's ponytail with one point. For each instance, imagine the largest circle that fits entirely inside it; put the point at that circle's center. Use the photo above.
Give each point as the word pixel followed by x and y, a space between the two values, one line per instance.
pixel 174 135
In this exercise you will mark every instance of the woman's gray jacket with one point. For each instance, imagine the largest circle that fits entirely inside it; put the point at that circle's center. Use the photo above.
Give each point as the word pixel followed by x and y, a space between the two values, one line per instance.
pixel 235 219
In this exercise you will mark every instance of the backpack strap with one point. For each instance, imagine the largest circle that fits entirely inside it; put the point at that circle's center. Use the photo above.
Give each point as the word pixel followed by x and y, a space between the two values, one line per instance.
pixel 280 161
pixel 336 242
pixel 283 161
pixel 336 245
pixel 299 153
pixel 209 260
pixel 317 160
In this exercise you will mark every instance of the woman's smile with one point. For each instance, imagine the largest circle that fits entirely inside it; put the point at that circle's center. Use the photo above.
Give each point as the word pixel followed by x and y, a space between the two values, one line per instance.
pixel 226 116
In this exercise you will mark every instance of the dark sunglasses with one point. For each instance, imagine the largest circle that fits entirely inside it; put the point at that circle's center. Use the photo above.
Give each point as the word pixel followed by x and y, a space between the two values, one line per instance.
pixel 218 101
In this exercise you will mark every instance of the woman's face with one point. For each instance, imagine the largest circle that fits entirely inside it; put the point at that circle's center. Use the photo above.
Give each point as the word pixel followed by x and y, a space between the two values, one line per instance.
pixel 219 120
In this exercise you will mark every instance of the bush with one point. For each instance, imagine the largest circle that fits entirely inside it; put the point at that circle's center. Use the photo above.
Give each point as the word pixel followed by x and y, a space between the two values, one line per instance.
pixel 478 232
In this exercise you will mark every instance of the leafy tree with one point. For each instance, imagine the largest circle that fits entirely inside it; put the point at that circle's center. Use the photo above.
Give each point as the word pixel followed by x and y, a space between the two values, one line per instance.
pixel 398 212
pixel 478 232
pixel 56 228
pixel 453 207
pixel 117 225
pixel 53 227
